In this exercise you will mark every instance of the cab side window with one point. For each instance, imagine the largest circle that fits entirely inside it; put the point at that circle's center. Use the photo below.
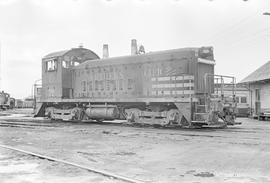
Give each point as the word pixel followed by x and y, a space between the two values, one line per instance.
pixel 51 65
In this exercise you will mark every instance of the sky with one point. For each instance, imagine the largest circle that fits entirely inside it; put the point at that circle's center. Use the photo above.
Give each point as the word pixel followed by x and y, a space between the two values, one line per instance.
pixel 31 29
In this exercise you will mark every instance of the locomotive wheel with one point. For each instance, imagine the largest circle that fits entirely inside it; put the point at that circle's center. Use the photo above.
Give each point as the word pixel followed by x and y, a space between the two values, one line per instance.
pixel 133 115
pixel 78 113
pixel 49 113
pixel 173 118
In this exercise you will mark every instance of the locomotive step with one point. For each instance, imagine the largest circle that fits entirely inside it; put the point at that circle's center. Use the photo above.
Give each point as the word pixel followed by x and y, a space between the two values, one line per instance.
pixel 205 124
pixel 199 122
pixel 221 125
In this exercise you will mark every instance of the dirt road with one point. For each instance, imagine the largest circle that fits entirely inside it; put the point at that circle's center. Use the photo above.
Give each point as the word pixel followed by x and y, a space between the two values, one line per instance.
pixel 236 154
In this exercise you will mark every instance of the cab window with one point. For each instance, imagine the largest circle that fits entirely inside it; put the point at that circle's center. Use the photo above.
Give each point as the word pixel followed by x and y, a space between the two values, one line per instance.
pixel 65 64
pixel 51 65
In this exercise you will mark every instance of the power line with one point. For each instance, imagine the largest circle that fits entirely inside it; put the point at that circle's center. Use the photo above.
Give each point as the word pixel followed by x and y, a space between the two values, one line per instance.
pixel 252 36
pixel 235 26
pixel 0 65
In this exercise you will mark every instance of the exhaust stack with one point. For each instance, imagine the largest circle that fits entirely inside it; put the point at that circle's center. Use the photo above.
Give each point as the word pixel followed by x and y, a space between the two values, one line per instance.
pixel 134 49
pixel 105 51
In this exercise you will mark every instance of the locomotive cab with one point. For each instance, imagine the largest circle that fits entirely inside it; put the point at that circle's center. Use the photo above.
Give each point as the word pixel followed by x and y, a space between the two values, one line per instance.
pixel 56 71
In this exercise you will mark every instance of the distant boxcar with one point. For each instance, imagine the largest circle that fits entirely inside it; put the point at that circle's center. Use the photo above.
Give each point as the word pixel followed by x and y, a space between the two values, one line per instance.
pixel 28 103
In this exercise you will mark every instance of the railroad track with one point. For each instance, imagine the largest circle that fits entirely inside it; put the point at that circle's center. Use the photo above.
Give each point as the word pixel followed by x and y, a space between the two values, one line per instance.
pixel 48 124
pixel 33 124
pixel 90 169
pixel 26 124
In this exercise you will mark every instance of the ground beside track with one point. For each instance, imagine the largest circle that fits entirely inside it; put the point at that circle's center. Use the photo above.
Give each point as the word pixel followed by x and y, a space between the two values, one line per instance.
pixel 236 154
pixel 16 167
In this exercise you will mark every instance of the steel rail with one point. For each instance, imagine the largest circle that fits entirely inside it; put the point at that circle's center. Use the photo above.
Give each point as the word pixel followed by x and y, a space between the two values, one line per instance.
pixel 28 124
pixel 94 170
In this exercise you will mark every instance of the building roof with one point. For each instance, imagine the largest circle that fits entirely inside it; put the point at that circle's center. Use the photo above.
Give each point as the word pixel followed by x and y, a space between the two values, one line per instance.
pixel 262 73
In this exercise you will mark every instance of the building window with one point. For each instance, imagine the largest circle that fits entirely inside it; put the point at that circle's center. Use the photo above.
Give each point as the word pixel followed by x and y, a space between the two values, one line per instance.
pixel 237 99
pixel 257 95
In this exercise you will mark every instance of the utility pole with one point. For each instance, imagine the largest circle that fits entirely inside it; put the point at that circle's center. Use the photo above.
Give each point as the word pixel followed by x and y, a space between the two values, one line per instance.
pixel 0 66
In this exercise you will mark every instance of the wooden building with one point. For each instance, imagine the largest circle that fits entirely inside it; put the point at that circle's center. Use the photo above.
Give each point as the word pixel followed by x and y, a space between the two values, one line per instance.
pixel 258 83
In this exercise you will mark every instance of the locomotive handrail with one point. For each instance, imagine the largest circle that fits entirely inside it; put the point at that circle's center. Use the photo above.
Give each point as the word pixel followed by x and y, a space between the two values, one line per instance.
pixel 221 77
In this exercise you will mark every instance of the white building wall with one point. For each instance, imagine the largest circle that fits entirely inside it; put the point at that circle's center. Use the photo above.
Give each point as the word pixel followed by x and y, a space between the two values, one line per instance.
pixel 264 95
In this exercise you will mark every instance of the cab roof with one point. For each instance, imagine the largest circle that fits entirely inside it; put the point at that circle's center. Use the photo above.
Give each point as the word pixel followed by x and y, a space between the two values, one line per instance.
pixel 70 52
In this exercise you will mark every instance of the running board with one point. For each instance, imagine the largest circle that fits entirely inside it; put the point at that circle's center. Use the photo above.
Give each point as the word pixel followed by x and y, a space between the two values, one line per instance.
pixel 235 123
pixel 205 124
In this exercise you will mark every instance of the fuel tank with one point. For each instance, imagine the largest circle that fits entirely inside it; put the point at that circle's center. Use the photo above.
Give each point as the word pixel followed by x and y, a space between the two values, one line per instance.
pixel 100 112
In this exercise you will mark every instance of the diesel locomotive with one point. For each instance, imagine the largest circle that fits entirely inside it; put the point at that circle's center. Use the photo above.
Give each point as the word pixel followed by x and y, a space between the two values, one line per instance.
pixel 169 88
pixel 6 102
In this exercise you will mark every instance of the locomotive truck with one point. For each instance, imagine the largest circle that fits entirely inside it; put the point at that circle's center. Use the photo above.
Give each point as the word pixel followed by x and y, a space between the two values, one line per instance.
pixel 169 88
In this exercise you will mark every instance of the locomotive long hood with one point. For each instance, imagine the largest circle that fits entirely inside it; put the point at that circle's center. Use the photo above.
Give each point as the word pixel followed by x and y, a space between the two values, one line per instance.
pixel 156 56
